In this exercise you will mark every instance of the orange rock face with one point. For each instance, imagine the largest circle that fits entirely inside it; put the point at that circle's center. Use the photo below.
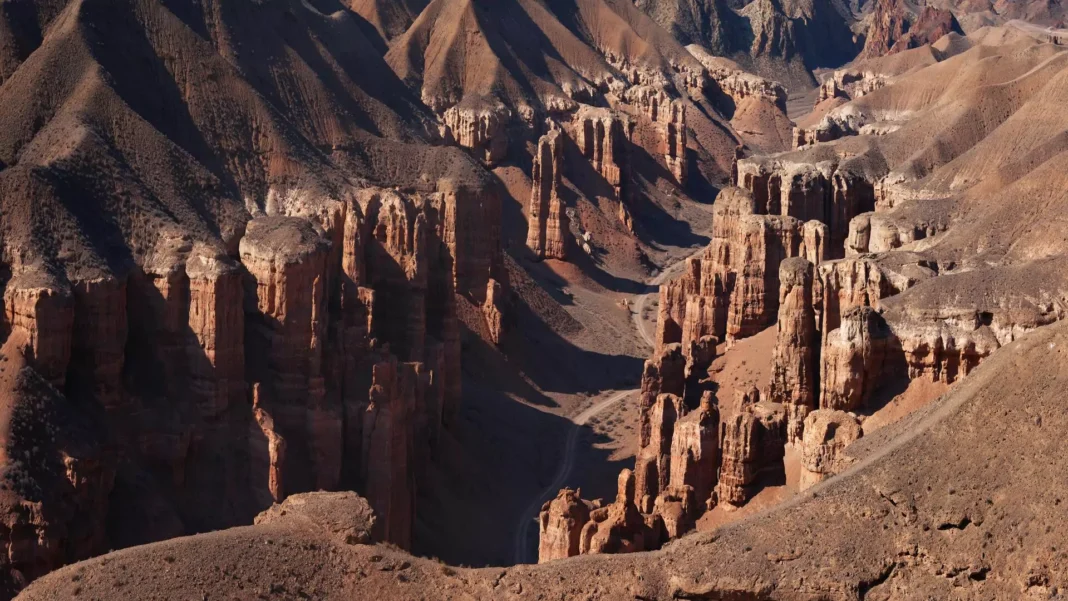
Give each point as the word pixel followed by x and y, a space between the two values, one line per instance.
pixel 653 461
pixel 852 359
pixel 620 527
pixel 695 451
pixel 753 442
pixel 794 370
pixel 602 136
pixel 560 526
pixel 827 434
pixel 480 128
pixel 548 225
pixel 765 241
pixel 830 192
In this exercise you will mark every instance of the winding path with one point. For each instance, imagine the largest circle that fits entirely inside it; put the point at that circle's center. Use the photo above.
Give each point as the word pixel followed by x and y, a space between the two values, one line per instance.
pixel 529 515
pixel 562 474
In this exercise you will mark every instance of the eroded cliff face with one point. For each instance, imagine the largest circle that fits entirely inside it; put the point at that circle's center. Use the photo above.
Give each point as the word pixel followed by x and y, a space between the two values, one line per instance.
pixel 794 376
pixel 325 355
pixel 547 229
pixel 776 257
pixel 827 434
pixel 895 28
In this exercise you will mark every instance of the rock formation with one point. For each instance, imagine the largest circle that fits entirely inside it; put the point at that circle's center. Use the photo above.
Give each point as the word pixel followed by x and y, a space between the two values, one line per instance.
pixel 846 284
pixel 652 464
pixel 343 516
pixel 480 128
pixel 602 136
pixel 766 240
pixel 675 141
pixel 754 442
pixel 286 259
pixel 561 523
pixel 41 312
pixel 695 451
pixel 547 232
pixel 894 28
pixel 665 373
pixel 828 191
pixel 827 433
pixel 620 527
pixel 852 359
pixel 795 364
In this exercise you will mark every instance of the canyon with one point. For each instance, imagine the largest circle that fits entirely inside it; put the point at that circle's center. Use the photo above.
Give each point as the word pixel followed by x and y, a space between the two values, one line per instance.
pixel 643 299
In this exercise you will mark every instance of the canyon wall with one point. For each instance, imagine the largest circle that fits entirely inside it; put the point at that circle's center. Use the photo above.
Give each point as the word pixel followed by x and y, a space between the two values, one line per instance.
pixel 325 355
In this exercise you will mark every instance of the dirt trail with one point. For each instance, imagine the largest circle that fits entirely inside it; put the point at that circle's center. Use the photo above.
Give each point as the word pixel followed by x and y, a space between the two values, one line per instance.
pixel 530 514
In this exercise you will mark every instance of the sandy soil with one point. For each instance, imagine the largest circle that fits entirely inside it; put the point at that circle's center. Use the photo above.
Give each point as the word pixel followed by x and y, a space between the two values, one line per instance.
pixel 745 365
pixel 919 394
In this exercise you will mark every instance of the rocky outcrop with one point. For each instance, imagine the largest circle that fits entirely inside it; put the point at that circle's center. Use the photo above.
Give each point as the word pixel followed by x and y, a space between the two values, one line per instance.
pixel 671 309
pixel 675 141
pixel 695 451
pixel 815 238
pixel 653 101
pixel 740 85
pixel 766 240
pixel 754 441
pixel 846 284
pixel 828 191
pixel 949 347
pixel 483 129
pixel 493 310
pixel 879 232
pixel 547 231
pixel 602 136
pixel 560 525
pixel 40 310
pixel 327 357
pixel 827 434
pixel 343 516
pixel 795 362
pixel 894 28
pixel 620 527
pixel 286 259
pixel 665 373
pixel 888 22
pixel 852 359
pixel 652 464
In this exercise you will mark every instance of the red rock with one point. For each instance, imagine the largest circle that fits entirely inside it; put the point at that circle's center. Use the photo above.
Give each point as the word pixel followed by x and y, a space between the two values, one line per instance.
pixel 602 136
pixel 795 363
pixel 480 128
pixel 42 311
pixel 492 310
pixel 560 525
pixel 620 528
pixel 547 231
pixel 655 457
pixel 765 241
pixel 695 451
pixel 852 359
pixel 827 434
pixel 753 442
